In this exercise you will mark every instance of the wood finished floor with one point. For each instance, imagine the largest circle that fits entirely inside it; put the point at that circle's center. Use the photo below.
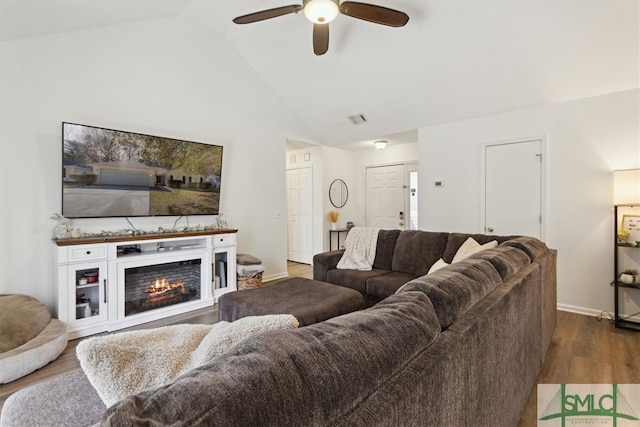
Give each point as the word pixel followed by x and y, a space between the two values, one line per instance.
pixel 583 350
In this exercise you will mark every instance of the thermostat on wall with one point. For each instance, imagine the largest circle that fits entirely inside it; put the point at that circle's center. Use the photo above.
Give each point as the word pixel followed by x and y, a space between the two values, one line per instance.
pixel 439 183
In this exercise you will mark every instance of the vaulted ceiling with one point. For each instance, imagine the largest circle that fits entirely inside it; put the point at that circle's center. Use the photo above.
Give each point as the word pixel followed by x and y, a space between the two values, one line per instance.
pixel 454 60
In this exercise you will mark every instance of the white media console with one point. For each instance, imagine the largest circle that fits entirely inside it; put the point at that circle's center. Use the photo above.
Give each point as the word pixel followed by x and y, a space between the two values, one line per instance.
pixel 110 283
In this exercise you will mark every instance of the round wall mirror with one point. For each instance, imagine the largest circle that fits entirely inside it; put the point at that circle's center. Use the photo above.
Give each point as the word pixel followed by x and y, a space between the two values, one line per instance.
pixel 338 193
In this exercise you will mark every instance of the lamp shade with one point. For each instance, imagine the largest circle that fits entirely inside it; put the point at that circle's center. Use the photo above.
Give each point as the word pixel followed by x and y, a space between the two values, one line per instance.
pixel 626 187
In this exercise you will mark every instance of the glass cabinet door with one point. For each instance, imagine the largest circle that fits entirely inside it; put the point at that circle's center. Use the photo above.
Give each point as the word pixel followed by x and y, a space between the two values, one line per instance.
pixel 88 295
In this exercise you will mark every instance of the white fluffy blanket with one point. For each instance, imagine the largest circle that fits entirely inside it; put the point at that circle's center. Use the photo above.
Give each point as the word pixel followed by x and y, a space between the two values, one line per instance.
pixel 359 249
pixel 127 363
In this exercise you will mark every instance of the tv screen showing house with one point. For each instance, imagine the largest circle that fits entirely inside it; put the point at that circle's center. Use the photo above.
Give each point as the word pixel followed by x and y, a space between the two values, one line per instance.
pixel 112 173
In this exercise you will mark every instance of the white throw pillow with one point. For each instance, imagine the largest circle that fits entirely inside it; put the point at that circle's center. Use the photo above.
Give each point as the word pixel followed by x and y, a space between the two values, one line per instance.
pixel 437 265
pixel 127 363
pixel 470 247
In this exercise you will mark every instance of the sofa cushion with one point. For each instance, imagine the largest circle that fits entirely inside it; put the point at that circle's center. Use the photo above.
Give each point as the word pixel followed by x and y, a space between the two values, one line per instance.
pixel 324 370
pixel 384 251
pixel 455 289
pixel 529 245
pixel 387 284
pixel 353 279
pixel 416 251
pixel 455 240
pixel 507 260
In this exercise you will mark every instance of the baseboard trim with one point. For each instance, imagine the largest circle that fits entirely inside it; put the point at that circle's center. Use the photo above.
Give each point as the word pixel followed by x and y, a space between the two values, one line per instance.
pixel 579 310
pixel 275 276
pixel 593 313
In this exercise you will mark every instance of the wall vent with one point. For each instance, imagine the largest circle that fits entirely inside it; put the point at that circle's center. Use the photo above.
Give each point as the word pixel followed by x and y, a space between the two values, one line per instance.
pixel 358 119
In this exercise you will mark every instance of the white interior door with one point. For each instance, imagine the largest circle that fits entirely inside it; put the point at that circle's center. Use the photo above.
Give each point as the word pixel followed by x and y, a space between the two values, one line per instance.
pixel 300 215
pixel 513 189
pixel 292 215
pixel 384 196
pixel 305 216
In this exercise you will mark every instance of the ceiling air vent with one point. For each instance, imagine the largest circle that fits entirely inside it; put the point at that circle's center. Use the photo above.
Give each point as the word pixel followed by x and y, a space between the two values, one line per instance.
pixel 358 119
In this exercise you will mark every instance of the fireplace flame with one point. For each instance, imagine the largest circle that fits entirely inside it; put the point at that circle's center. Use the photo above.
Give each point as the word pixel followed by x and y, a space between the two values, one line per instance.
pixel 162 285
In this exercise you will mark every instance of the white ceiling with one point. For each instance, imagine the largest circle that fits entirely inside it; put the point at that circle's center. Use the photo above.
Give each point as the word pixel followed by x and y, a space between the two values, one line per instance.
pixel 453 61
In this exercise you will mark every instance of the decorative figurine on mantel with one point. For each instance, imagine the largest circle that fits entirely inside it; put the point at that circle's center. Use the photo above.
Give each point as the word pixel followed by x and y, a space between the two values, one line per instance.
pixel 63 229
pixel 221 222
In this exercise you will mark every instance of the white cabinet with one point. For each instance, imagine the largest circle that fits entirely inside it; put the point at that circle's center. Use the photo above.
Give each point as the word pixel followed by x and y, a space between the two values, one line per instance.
pixel 124 281
pixel 82 288
pixel 224 264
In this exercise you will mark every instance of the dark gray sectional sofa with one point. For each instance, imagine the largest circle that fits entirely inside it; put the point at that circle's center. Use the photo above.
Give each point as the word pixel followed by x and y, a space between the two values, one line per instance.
pixel 459 347
pixel 400 257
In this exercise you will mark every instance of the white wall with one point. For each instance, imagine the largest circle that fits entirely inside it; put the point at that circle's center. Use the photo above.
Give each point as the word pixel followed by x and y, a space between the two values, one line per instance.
pixel 586 140
pixel 163 77
pixel 338 164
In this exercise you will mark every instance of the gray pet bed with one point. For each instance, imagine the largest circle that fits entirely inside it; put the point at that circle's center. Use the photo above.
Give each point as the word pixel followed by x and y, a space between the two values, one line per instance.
pixel 30 337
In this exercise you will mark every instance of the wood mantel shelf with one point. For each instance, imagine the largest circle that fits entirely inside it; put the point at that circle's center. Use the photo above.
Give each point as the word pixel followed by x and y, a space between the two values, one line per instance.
pixel 148 236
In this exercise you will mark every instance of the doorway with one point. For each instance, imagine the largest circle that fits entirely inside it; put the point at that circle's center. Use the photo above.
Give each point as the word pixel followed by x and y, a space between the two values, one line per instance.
pixel 385 201
pixel 513 188
pixel 300 215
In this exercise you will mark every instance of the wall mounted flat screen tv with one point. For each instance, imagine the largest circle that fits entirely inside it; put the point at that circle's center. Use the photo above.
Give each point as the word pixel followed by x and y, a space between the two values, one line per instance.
pixel 112 173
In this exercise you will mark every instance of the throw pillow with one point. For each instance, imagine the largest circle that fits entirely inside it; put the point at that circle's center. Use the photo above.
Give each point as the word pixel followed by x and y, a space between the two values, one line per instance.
pixel 470 247
pixel 127 363
pixel 437 265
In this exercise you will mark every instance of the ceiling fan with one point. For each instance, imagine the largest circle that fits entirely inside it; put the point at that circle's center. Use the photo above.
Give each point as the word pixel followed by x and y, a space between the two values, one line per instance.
pixel 321 12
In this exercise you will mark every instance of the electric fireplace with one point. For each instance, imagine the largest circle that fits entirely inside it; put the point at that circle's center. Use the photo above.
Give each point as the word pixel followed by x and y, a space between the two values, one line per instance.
pixel 154 284
pixel 160 285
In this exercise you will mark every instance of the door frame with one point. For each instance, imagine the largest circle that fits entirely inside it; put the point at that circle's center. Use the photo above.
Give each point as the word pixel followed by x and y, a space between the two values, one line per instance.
pixel 543 178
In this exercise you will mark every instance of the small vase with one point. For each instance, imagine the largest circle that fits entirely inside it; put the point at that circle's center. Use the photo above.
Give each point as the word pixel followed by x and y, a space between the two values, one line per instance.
pixel 334 226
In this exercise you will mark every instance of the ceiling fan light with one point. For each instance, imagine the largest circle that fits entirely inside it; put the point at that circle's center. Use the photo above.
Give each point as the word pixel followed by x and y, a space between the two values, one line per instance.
pixel 321 11
pixel 380 144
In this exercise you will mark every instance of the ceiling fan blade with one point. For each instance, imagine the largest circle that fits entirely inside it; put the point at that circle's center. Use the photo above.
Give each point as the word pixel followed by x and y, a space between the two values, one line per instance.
pixel 267 14
pixel 320 39
pixel 373 13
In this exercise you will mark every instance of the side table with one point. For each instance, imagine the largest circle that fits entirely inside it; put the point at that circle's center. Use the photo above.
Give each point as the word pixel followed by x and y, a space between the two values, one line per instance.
pixel 337 232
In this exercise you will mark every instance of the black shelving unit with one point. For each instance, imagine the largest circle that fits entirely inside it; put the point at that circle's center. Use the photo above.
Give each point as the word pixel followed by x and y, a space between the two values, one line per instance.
pixel 621 322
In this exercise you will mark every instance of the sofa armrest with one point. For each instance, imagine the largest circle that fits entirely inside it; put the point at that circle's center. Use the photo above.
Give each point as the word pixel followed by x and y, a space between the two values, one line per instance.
pixel 325 261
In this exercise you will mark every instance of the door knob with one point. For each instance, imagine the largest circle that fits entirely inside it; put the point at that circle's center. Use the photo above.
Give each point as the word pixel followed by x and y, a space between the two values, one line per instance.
pixel 490 229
